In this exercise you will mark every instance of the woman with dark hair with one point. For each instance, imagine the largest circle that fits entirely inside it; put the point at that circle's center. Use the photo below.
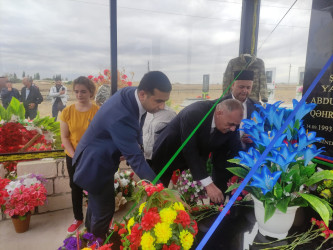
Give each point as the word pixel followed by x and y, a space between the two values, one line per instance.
pixel 74 120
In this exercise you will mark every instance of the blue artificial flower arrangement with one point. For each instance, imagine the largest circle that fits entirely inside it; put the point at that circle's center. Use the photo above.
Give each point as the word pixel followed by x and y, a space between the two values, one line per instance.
pixel 282 179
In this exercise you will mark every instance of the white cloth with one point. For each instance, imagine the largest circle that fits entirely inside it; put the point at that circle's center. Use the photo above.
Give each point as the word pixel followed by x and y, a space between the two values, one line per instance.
pixel 241 132
pixel 154 123
pixel 54 94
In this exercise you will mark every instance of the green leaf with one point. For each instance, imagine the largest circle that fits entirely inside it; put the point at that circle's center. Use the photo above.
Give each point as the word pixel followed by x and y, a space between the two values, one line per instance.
pixel 288 188
pixel 319 206
pixel 299 201
pixel 232 187
pixel 269 210
pixel 277 190
pixel 236 161
pixel 239 171
pixel 282 204
pixel 319 176
pixel 309 170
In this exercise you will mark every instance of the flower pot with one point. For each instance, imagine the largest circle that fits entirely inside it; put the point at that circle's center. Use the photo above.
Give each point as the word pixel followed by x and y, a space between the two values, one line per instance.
pixel 278 225
pixel 21 226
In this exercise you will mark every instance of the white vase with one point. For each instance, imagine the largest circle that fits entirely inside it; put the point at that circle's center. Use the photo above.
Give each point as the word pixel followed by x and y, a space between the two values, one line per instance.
pixel 278 225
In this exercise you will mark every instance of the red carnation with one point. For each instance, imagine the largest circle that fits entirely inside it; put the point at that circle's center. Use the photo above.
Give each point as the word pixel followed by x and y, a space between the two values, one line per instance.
pixel 100 77
pixel 90 77
pixel 173 246
pixel 124 76
pixel 175 176
pixel 183 218
pixel 129 84
pixel 122 231
pixel 95 79
pixel 106 71
pixel 135 237
pixel 150 219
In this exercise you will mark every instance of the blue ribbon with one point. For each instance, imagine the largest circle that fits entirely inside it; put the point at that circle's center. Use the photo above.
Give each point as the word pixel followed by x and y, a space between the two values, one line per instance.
pixel 263 156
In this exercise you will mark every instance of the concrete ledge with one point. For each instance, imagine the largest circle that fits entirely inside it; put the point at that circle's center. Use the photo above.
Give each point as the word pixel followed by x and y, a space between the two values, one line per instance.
pixel 56 202
pixel 47 168
pixel 61 185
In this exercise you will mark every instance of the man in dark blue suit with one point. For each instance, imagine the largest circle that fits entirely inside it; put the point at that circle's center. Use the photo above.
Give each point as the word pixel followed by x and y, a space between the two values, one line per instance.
pixel 116 131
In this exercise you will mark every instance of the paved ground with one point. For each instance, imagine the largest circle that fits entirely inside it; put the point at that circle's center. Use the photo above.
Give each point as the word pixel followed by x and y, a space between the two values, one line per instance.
pixel 47 231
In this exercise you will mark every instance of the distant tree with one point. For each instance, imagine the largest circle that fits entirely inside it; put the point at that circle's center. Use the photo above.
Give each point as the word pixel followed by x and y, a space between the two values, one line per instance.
pixel 14 76
pixel 23 74
pixel 36 76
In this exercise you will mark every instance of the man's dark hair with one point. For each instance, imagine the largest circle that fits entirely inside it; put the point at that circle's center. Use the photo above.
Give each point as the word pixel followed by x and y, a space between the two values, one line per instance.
pixel 155 80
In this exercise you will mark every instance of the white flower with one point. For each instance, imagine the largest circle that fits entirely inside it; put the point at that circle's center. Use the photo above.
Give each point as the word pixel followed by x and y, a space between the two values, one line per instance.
pixel 116 176
pixel 121 174
pixel 124 182
pixel 12 186
pixel 116 185
pixel 30 181
pixel 14 118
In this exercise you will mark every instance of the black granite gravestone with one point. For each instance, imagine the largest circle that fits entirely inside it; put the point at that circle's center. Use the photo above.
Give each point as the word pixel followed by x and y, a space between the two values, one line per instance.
pixel 320 49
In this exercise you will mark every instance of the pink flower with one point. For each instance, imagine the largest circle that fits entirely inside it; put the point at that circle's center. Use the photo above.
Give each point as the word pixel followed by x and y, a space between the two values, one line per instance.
pixel 90 77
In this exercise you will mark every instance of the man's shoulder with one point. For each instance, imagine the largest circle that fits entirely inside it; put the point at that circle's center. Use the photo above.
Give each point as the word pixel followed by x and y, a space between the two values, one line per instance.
pixel 252 101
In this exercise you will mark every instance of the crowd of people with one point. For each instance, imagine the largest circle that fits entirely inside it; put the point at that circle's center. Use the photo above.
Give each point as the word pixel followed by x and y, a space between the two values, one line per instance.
pixel 135 125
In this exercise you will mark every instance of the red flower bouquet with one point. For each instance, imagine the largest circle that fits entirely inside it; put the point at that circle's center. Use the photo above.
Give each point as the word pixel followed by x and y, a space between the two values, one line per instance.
pixel 162 222
pixel 105 78
pixel 22 195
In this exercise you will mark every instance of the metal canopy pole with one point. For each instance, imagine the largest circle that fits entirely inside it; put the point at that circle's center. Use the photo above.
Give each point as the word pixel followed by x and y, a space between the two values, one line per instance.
pixel 113 45
pixel 249 27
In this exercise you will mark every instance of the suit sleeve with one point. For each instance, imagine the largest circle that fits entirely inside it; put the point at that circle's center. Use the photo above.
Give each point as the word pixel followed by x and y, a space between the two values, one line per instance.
pixel 124 135
pixel 39 97
pixel 192 156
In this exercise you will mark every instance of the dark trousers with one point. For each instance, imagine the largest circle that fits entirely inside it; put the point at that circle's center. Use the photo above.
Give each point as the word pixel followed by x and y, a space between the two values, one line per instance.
pixel 77 192
pixel 100 211
pixel 56 107
pixel 30 113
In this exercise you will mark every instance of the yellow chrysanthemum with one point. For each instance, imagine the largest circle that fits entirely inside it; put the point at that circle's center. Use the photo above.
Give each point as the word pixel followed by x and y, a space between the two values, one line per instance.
pixel 328 183
pixel 326 193
pixel 130 223
pixel 168 215
pixel 186 239
pixel 142 206
pixel 86 248
pixel 163 232
pixel 147 241
pixel 178 206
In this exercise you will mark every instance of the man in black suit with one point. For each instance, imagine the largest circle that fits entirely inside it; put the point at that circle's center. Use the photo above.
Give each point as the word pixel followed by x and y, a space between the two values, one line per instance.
pixel 217 134
pixel 30 97
pixel 240 90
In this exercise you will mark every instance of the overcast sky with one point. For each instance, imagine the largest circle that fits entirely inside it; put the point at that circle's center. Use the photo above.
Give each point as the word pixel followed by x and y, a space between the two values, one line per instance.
pixel 183 38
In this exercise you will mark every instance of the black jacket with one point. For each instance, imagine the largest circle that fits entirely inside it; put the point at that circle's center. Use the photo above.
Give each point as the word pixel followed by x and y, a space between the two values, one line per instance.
pixel 33 97
pixel 195 154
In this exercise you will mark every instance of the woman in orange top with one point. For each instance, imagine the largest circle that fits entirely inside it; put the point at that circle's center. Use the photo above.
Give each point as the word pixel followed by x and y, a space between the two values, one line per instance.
pixel 74 121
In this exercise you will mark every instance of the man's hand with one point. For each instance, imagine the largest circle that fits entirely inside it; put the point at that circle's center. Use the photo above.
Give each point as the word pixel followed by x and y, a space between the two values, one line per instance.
pixel 214 193
pixel 32 105
pixel 62 92
pixel 246 139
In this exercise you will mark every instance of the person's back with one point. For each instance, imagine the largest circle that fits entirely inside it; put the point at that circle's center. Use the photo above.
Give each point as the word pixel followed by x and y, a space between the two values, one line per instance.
pixel 153 126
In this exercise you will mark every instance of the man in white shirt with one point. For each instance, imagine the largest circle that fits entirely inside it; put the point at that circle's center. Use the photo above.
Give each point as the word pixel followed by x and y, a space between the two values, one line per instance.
pixel 58 93
pixel 153 126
